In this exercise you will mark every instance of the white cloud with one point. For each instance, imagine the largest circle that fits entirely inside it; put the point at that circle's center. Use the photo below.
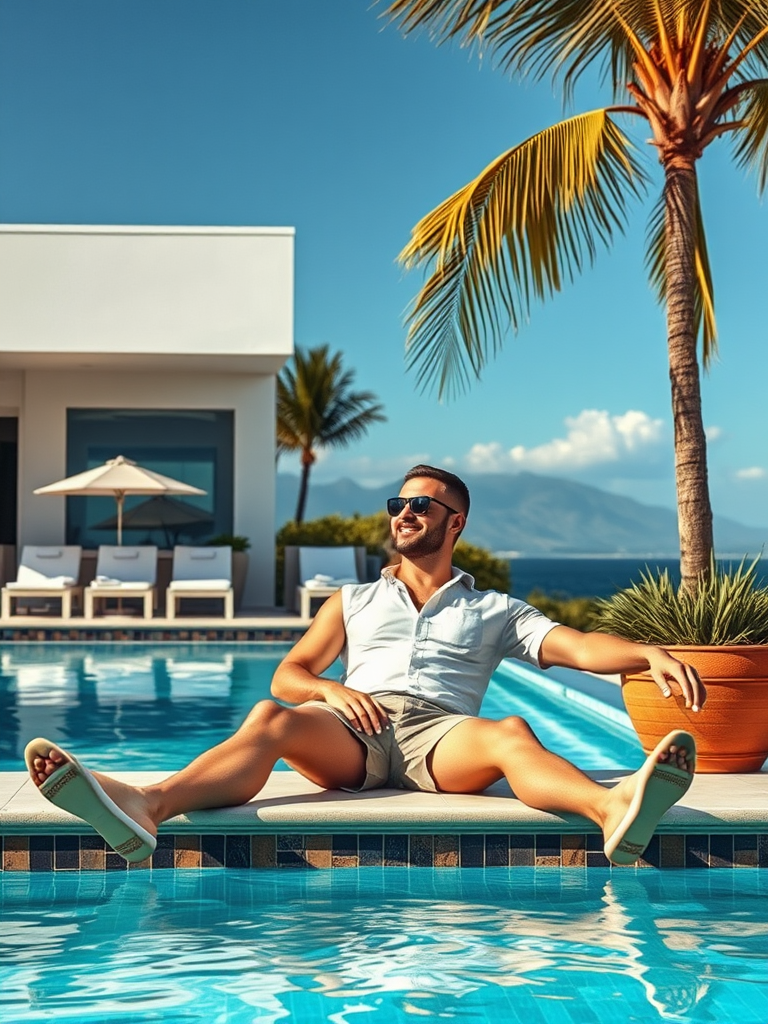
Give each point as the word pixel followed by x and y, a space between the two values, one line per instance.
pixel 751 473
pixel 713 434
pixel 593 438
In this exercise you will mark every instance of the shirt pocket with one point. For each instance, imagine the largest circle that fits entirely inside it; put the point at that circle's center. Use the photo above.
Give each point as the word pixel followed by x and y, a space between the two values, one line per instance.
pixel 456 630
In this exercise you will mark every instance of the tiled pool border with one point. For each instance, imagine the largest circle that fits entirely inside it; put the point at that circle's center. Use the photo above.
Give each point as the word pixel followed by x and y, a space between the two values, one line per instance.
pixel 351 850
pixel 158 634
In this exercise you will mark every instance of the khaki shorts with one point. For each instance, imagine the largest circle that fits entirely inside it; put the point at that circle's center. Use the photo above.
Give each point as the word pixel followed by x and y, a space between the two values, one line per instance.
pixel 397 758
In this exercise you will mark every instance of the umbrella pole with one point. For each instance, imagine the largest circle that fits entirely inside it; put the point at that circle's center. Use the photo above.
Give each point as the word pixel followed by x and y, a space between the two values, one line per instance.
pixel 120 498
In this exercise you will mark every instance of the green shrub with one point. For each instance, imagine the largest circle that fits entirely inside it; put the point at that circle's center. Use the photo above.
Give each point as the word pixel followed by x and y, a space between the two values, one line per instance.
pixel 372 532
pixel 232 540
pixel 490 573
pixel 577 612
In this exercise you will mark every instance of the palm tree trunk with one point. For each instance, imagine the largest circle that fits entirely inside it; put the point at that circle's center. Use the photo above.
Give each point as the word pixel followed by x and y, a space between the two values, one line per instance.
pixel 306 465
pixel 694 510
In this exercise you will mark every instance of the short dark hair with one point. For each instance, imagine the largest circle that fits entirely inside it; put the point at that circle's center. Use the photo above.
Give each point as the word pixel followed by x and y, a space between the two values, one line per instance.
pixel 451 481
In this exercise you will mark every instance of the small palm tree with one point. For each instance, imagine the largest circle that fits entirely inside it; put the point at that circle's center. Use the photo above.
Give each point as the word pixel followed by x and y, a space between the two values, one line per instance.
pixel 316 408
pixel 693 71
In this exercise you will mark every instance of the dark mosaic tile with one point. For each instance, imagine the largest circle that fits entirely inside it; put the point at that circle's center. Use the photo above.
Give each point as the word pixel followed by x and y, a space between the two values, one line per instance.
pixel 395 851
pixel 164 855
pixel 421 851
pixel 114 862
pixel 237 852
pixel 212 849
pixel 547 847
pixel 522 851
pixel 597 859
pixel 41 853
pixel 92 843
pixel 720 850
pixel 472 851
pixel 652 856
pixel 594 841
pixel 40 860
pixel 371 850
pixel 697 851
pixel 290 842
pixel 291 859
pixel 672 851
pixel 496 850
pixel 762 851
pixel 745 851
pixel 41 844
pixel 344 845
pixel 66 855
pixel 446 851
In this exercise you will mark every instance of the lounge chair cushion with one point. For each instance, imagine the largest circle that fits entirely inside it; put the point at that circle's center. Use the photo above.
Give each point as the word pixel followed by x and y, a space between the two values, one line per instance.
pixel 181 585
pixel 29 578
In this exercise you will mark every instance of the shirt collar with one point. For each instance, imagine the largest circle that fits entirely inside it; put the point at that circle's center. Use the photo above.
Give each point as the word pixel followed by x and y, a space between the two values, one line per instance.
pixel 457 575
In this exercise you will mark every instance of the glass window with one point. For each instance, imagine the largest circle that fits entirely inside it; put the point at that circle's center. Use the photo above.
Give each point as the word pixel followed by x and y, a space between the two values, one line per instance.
pixel 194 446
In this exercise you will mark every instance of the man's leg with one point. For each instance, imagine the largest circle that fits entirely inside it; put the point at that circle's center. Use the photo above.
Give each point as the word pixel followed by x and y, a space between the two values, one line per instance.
pixel 315 742
pixel 478 752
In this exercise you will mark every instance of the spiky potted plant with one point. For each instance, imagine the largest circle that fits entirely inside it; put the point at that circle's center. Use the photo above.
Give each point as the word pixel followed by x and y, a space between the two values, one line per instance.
pixel 721 629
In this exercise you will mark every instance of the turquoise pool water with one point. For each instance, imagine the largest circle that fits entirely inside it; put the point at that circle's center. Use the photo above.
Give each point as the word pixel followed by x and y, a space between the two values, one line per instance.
pixel 142 707
pixel 373 946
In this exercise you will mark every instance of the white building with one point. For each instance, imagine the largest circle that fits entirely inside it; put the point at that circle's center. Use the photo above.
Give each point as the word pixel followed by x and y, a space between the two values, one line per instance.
pixel 160 344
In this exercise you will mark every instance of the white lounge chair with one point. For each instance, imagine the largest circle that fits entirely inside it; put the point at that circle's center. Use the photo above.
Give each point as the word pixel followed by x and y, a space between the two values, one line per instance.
pixel 45 572
pixel 124 572
pixel 201 573
pixel 323 570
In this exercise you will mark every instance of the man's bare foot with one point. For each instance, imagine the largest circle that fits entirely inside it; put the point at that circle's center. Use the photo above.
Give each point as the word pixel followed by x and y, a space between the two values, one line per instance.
pixel 636 804
pixel 44 760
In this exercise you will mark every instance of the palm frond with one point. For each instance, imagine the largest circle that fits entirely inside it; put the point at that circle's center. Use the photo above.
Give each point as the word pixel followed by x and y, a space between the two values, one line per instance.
pixel 704 295
pixel 530 220
pixel 316 406
pixel 752 141
pixel 567 36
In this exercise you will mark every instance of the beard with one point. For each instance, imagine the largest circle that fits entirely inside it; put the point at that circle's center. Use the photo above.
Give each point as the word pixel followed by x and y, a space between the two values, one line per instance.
pixel 417 545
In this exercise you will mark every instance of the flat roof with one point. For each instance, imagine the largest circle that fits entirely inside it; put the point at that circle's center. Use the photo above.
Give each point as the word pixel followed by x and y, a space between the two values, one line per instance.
pixel 139 229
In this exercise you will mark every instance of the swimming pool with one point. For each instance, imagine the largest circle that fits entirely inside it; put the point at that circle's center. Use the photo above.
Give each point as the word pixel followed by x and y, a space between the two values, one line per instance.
pixel 536 946
pixel 142 707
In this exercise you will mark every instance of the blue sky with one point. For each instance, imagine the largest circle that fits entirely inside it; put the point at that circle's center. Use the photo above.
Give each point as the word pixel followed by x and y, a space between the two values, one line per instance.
pixel 319 116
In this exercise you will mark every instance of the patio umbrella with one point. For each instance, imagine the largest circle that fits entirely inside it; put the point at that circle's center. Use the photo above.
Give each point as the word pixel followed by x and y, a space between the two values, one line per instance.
pixel 162 513
pixel 118 477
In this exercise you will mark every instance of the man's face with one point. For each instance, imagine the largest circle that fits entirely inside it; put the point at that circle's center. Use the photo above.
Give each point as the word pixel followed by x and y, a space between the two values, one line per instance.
pixel 416 536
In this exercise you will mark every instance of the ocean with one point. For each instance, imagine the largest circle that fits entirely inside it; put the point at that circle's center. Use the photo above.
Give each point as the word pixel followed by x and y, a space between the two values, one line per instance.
pixel 590 577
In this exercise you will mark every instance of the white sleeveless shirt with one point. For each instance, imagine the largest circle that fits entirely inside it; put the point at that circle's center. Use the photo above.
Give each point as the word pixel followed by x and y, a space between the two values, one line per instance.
pixel 445 653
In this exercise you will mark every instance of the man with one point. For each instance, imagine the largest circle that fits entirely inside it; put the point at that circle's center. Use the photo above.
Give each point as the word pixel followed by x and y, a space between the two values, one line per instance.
pixel 419 647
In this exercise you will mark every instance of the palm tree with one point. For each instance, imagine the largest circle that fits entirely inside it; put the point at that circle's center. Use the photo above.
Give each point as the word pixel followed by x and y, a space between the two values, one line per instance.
pixel 691 70
pixel 316 408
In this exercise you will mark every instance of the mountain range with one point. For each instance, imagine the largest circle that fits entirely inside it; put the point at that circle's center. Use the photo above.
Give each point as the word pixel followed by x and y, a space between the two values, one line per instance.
pixel 537 516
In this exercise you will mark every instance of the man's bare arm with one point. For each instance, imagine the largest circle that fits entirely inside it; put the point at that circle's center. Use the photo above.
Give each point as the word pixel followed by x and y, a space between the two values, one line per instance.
pixel 603 653
pixel 298 676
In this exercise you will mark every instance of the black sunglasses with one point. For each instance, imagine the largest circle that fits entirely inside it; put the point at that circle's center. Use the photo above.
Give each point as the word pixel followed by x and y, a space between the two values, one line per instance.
pixel 418 505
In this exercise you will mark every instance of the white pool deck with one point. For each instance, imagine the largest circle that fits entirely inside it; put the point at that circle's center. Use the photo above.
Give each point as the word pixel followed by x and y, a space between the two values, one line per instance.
pixel 289 803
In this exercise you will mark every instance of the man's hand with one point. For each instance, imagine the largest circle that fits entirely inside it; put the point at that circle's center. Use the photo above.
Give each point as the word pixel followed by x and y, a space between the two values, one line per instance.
pixel 299 675
pixel 361 710
pixel 674 676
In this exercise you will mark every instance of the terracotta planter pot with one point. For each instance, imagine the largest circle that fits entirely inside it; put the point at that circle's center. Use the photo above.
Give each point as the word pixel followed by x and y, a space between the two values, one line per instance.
pixel 731 731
